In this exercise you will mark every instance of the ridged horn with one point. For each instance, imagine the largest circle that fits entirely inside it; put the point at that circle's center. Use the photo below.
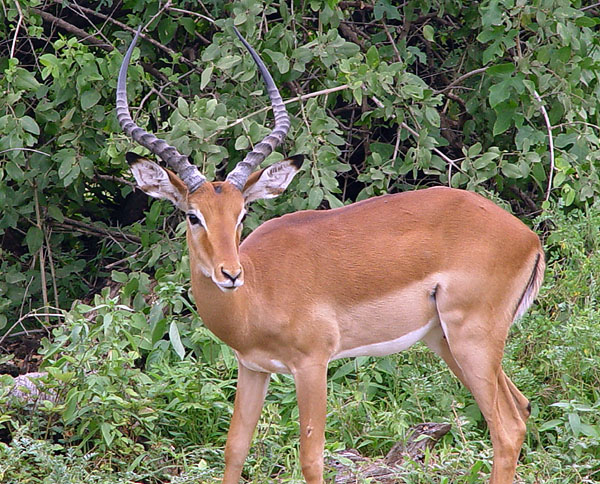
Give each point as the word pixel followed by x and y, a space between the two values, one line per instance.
pixel 239 175
pixel 189 174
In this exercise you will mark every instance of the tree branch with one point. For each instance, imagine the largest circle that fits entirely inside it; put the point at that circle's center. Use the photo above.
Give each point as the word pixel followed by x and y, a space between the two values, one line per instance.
pixel 550 143
pixel 458 80
pixel 292 100
pixel 125 27
pixel 95 230
pixel 82 34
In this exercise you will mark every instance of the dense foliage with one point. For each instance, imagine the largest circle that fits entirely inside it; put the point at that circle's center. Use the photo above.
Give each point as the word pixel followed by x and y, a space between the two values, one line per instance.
pixel 384 96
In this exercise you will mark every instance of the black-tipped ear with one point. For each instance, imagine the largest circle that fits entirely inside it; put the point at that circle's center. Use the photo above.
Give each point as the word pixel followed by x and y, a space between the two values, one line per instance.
pixel 132 157
pixel 296 160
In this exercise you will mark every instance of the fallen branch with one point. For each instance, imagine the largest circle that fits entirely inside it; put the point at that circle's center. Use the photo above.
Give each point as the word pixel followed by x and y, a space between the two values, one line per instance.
pixel 352 467
pixel 29 388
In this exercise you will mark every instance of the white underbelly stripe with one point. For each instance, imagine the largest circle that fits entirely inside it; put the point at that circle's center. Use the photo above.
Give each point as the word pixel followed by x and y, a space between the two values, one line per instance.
pixel 387 347
pixel 274 366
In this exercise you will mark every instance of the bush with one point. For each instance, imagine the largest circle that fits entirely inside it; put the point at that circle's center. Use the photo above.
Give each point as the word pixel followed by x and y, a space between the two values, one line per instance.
pixel 389 98
pixel 441 104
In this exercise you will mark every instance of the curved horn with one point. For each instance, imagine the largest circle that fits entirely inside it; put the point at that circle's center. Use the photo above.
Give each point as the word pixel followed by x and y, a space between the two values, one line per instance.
pixel 244 168
pixel 189 174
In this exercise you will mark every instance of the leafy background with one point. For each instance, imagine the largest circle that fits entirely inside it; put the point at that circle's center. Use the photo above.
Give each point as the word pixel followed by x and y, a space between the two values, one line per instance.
pixel 384 97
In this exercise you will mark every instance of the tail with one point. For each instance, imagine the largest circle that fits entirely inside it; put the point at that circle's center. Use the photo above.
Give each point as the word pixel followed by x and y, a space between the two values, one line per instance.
pixel 533 286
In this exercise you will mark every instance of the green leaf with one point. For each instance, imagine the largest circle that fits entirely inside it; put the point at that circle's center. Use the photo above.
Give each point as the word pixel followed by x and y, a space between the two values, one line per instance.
pixel 315 196
pixel 195 129
pixel 48 60
pixel 373 56
pixel 71 176
pixel 499 92
pixel 493 51
pixel 344 370
pixel 384 7
pixel 240 18
pixel 25 80
pixel 89 98
pixel 183 107
pixel 55 213
pixel 511 170
pixel 71 405
pixel 475 149
pixel 166 29
pixel 87 166
pixel 357 93
pixel 107 433
pixel 66 166
pixel 559 179
pixel 505 116
pixel 212 52
pixel 118 276
pixel 587 22
pixel 551 424
pixel 432 116
pixel 492 14
pixel 333 201
pixel 505 69
pixel 568 195
pixel 428 33
pixel 188 24
pixel 34 239
pixel 282 62
pixel 29 125
pixel 158 331
pixel 484 160
pixel 206 76
pixel 575 421
pixel 348 49
pixel 176 340
pixel 227 62
pixel 241 143
pixel 14 171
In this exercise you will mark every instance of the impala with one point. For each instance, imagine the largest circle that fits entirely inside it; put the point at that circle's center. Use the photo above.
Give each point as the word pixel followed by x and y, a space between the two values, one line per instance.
pixel 442 266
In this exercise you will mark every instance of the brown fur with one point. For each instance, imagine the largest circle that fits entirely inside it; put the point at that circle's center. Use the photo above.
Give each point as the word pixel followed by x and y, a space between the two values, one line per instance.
pixel 373 273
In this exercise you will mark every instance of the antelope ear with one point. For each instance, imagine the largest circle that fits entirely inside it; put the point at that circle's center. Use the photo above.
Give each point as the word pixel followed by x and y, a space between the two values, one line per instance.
pixel 156 181
pixel 273 180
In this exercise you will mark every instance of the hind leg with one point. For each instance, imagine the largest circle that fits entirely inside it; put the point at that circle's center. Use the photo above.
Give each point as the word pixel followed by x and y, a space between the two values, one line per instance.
pixel 520 400
pixel 436 341
pixel 474 354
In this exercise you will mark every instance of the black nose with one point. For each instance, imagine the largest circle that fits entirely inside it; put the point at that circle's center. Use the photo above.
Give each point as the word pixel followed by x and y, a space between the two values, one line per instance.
pixel 230 276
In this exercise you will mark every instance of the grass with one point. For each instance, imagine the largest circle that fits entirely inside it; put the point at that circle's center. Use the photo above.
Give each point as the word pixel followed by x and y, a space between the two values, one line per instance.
pixel 134 412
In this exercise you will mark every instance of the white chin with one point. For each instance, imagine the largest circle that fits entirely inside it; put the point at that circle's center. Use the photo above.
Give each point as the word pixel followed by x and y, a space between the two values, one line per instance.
pixel 228 288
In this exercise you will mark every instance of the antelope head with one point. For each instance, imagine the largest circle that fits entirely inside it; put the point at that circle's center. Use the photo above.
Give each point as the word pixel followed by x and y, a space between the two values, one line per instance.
pixel 214 210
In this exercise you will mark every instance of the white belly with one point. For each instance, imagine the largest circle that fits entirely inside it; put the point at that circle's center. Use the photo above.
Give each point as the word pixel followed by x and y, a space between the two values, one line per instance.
pixel 387 347
pixel 263 365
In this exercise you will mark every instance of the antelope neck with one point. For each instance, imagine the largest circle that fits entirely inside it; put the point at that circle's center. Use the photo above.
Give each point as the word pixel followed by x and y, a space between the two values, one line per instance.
pixel 225 314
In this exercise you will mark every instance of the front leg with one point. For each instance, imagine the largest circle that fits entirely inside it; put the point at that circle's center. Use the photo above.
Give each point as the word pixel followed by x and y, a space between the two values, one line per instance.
pixel 249 399
pixel 311 391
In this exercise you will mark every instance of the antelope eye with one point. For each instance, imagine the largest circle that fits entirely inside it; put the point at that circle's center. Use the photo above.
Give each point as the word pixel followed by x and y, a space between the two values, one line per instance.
pixel 193 219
